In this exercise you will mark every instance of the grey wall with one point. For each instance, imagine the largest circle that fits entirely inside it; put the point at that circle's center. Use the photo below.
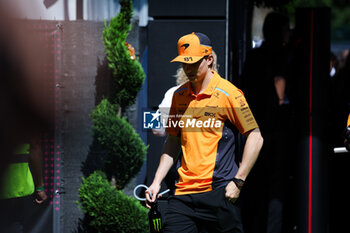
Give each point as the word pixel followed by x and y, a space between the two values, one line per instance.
pixel 82 54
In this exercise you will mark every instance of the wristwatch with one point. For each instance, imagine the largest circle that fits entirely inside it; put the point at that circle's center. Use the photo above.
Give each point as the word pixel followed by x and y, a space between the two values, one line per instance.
pixel 239 182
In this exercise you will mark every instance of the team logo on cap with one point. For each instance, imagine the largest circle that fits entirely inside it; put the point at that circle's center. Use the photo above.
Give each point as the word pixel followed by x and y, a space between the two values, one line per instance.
pixel 185 45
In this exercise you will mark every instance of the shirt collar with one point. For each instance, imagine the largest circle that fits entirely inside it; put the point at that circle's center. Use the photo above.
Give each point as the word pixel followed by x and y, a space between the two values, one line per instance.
pixel 212 84
pixel 210 88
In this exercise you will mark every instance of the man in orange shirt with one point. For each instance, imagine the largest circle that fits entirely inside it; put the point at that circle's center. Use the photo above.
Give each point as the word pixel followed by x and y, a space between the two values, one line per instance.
pixel 205 111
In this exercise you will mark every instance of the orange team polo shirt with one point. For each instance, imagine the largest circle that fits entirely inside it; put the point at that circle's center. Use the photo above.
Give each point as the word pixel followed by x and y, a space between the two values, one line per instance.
pixel 206 125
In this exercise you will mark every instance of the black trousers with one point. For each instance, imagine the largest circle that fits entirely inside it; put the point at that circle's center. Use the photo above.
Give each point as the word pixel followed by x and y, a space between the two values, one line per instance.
pixel 13 214
pixel 208 212
pixel 23 215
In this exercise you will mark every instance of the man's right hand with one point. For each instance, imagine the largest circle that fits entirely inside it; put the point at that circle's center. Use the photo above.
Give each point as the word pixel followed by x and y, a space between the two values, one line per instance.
pixel 171 151
pixel 40 197
pixel 154 190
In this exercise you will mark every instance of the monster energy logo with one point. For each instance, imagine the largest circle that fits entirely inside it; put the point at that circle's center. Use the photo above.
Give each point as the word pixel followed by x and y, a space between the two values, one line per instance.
pixel 157 224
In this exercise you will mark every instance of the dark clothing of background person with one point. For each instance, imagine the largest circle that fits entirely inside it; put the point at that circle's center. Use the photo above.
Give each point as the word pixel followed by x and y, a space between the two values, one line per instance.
pixel 339 163
pixel 21 118
pixel 265 84
pixel 340 100
pixel 261 67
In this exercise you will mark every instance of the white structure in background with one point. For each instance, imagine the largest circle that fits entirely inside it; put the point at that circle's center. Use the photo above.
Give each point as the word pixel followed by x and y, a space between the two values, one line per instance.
pixel 98 10
pixel 93 10
pixel 259 15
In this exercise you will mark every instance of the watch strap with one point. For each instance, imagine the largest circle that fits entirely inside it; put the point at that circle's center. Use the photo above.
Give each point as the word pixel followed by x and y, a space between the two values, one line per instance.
pixel 239 182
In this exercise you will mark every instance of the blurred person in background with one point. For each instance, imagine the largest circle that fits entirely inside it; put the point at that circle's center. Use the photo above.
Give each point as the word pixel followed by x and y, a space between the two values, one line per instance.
pixel 266 84
pixel 340 99
pixel 23 119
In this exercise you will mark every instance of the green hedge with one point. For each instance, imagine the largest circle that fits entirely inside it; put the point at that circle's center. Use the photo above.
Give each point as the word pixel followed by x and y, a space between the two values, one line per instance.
pixel 128 75
pixel 109 210
pixel 126 150
pixel 106 208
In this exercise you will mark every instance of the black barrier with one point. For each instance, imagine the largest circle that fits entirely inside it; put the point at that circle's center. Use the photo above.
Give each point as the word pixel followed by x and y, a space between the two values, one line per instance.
pixel 311 74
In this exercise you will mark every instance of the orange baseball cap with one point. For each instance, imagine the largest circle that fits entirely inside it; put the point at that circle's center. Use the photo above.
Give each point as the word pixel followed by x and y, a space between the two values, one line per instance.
pixel 192 48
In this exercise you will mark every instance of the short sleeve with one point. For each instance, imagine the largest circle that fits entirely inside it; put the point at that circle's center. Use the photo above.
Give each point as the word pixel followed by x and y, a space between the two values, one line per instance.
pixel 172 117
pixel 239 113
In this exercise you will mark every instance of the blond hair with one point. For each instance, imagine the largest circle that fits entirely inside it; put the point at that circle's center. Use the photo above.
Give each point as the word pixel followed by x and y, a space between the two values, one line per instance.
pixel 181 77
